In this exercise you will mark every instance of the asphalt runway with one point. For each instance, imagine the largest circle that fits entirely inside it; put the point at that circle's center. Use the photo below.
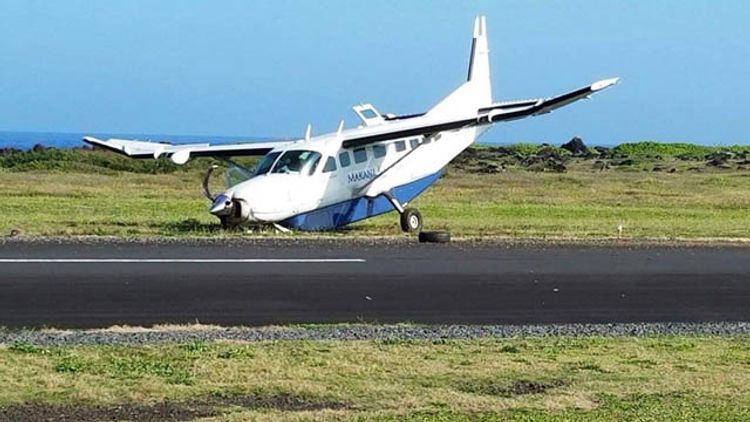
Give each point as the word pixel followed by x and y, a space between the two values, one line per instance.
pixel 77 285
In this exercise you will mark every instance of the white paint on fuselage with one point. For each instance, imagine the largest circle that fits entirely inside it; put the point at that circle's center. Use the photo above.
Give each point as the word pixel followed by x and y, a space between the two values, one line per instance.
pixel 274 197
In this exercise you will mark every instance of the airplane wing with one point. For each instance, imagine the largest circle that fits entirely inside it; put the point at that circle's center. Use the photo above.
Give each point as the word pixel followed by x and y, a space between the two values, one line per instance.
pixel 423 125
pixel 181 153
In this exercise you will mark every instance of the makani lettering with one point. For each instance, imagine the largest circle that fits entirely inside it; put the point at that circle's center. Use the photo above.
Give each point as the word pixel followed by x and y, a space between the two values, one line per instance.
pixel 361 175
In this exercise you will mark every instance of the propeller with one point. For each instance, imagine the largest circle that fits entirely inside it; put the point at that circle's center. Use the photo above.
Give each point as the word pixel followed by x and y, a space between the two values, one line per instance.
pixel 206 178
pixel 224 205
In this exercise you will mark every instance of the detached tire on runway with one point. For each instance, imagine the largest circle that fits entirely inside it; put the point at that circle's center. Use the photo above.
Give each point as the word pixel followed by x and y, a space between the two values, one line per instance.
pixel 434 237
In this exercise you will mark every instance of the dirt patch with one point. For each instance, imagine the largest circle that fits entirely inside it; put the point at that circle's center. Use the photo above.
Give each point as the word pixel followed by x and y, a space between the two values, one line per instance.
pixel 280 401
pixel 164 411
pixel 516 388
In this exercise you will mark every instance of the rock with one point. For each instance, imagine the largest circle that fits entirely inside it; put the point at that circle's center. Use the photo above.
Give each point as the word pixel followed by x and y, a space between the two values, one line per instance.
pixel 490 168
pixel 575 146
pixel 718 163
pixel 502 151
pixel 9 151
pixel 604 152
pixel 719 156
pixel 625 162
pixel 601 165
pixel 557 167
pixel 547 153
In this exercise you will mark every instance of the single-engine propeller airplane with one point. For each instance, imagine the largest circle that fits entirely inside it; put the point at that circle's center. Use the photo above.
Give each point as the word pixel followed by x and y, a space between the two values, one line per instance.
pixel 332 180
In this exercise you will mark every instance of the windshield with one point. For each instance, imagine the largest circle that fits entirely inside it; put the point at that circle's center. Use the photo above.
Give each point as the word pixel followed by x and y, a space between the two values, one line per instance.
pixel 297 162
pixel 236 175
pixel 266 163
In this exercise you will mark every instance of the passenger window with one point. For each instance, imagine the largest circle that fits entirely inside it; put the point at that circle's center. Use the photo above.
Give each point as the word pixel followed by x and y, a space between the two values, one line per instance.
pixel 427 140
pixel 378 150
pixel 330 165
pixel 360 155
pixel 400 146
pixel 344 159
pixel 414 142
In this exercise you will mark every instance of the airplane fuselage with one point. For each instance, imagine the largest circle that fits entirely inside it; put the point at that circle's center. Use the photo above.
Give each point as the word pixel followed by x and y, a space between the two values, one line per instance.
pixel 338 186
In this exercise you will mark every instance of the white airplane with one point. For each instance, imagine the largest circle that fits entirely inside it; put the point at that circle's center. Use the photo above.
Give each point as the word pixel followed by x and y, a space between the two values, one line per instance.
pixel 332 180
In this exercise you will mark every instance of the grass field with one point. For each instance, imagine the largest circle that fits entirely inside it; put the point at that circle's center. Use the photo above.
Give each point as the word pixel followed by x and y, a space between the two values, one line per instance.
pixel 562 378
pixel 517 203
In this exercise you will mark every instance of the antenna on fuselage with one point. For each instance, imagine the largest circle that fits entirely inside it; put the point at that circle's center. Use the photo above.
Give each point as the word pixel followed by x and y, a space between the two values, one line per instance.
pixel 340 129
pixel 308 132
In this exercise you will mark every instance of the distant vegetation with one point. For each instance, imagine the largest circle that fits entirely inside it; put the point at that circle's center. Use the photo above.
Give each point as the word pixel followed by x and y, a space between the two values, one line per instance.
pixel 479 159
pixel 82 160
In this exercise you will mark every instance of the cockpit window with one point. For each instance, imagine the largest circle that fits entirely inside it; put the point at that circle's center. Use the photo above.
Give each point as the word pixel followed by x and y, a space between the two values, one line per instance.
pixel 330 165
pixel 266 163
pixel 297 162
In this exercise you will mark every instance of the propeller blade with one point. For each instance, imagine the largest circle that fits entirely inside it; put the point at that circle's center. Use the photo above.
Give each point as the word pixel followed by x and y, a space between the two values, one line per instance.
pixel 206 178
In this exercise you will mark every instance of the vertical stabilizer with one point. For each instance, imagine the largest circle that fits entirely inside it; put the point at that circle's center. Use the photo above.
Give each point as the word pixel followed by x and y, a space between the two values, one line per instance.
pixel 477 91
pixel 479 62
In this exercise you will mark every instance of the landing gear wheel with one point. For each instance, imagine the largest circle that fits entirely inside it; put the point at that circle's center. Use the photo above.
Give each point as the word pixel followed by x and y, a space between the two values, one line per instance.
pixel 411 221
pixel 434 237
pixel 224 223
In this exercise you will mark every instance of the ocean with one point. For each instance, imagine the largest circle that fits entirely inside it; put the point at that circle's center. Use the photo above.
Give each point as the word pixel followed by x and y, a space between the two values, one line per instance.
pixel 27 140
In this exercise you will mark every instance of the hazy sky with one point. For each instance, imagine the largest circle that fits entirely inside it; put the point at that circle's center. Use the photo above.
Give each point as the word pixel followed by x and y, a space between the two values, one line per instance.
pixel 268 68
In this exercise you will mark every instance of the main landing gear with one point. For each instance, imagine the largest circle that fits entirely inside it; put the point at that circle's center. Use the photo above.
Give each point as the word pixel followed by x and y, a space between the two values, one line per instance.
pixel 411 222
pixel 411 219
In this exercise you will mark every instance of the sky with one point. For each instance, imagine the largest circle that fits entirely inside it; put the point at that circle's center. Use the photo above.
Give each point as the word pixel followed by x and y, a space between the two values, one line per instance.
pixel 267 69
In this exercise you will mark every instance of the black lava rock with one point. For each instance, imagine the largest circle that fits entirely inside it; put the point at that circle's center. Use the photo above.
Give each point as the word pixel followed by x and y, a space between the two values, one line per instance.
pixel 575 146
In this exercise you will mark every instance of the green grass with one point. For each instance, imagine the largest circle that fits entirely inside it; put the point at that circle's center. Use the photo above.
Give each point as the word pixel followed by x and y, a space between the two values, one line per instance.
pixel 593 378
pixel 99 193
pixel 516 203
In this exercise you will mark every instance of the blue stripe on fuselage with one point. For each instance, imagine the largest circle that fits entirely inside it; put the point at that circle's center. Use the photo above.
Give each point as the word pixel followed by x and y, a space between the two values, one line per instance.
pixel 347 212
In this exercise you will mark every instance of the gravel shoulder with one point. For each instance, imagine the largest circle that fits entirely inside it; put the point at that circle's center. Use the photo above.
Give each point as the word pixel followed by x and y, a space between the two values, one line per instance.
pixel 315 240
pixel 135 336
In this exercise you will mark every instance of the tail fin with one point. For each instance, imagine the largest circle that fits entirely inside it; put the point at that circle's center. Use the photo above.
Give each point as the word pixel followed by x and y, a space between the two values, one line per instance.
pixel 479 62
pixel 477 91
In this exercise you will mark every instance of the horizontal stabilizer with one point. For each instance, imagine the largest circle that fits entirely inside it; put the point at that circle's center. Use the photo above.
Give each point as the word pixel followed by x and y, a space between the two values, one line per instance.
pixel 519 109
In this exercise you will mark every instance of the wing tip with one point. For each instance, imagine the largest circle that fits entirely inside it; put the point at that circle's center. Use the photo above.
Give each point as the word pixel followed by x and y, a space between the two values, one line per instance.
pixel 91 140
pixel 605 83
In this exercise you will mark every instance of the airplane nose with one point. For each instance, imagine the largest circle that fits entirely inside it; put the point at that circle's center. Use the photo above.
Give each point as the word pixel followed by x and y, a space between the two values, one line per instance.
pixel 222 206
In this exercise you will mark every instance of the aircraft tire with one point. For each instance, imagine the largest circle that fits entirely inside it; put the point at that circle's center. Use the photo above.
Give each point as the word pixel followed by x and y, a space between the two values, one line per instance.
pixel 434 237
pixel 411 221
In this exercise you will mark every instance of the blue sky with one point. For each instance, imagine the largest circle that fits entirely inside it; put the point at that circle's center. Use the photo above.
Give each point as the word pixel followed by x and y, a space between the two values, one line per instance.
pixel 269 68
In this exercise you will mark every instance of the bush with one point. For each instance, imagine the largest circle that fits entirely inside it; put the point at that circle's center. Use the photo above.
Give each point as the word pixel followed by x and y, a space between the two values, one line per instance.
pixel 683 151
